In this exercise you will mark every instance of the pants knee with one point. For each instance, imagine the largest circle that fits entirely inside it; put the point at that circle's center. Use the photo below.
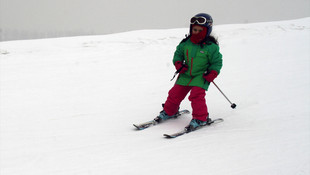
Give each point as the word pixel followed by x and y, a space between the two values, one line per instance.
pixel 197 94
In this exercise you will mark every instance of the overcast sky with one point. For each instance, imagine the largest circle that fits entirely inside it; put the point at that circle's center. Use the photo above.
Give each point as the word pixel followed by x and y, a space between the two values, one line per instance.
pixel 54 18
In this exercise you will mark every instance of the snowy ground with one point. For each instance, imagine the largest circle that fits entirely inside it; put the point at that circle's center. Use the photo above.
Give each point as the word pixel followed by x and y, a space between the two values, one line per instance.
pixel 67 105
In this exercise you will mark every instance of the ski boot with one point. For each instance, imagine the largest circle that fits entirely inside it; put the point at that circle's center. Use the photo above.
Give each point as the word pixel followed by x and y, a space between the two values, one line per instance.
pixel 195 124
pixel 164 116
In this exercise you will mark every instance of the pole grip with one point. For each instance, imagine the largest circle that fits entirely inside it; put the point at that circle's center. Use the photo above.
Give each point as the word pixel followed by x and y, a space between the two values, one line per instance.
pixel 178 71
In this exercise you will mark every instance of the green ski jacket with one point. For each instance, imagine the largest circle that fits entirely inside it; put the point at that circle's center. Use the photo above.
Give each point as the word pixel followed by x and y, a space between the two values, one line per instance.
pixel 199 60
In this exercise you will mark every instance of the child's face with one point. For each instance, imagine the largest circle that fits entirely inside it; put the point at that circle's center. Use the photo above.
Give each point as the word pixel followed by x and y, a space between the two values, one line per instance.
pixel 196 29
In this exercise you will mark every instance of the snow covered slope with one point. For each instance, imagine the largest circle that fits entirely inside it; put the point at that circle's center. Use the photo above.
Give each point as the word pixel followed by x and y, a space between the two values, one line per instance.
pixel 67 105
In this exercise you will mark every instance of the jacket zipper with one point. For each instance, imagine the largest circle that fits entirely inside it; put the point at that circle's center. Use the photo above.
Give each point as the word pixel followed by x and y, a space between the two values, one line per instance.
pixel 190 72
pixel 187 55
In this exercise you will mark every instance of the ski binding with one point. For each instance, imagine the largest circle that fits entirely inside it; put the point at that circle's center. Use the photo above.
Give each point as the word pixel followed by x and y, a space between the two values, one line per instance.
pixel 154 122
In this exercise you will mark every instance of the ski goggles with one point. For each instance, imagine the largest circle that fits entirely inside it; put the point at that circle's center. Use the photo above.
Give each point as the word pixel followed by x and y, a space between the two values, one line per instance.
pixel 199 20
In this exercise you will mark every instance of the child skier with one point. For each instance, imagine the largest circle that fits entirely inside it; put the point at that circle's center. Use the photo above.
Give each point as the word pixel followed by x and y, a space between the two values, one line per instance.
pixel 199 61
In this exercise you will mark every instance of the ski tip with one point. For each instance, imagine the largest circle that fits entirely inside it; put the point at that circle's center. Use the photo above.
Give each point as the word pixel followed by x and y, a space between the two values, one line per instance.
pixel 218 120
pixel 186 111
pixel 168 136
pixel 137 127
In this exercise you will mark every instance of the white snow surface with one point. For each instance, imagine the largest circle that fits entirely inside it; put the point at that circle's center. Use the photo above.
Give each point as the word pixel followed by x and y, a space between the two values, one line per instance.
pixel 67 105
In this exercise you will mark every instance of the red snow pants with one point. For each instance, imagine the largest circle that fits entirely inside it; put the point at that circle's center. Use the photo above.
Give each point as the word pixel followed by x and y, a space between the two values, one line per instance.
pixel 197 97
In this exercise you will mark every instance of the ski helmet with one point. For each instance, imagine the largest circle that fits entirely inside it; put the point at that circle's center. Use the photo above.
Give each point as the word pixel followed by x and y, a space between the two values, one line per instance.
pixel 202 19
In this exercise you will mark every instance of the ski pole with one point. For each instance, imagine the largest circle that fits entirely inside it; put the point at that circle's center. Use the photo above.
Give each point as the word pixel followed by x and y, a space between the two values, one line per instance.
pixel 232 105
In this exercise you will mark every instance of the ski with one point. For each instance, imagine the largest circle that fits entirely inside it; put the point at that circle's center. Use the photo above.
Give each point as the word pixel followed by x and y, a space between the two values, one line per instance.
pixel 180 133
pixel 153 122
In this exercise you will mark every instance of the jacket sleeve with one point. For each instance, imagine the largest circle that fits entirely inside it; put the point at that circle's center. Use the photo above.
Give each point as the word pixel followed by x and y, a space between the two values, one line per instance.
pixel 216 61
pixel 178 54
